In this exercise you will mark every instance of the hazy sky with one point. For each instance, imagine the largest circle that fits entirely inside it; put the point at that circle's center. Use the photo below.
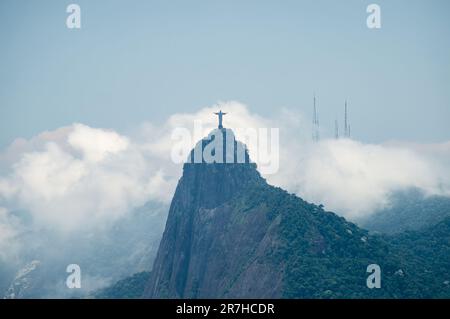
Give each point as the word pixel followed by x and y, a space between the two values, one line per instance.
pixel 135 61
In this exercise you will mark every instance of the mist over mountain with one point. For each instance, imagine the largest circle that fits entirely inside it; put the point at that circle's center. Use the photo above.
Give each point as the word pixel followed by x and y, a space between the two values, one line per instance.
pixel 337 113
pixel 105 255
pixel 229 234
pixel 64 193
pixel 408 210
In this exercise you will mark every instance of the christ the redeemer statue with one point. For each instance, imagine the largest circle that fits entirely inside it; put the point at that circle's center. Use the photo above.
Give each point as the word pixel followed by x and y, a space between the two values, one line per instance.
pixel 220 114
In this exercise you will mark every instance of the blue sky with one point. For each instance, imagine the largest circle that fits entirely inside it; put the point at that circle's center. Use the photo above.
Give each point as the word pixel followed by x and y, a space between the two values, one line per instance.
pixel 135 61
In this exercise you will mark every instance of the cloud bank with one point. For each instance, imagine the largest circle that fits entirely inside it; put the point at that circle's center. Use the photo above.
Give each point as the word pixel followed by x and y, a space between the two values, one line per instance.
pixel 356 179
pixel 79 177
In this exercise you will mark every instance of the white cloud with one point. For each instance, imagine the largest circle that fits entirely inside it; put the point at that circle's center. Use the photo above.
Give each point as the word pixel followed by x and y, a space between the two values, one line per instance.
pixel 355 179
pixel 351 178
pixel 96 144
pixel 9 229
pixel 78 176
pixel 85 177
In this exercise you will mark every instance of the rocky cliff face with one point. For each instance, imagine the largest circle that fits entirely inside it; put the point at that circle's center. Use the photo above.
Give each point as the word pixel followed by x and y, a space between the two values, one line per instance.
pixel 198 255
pixel 208 245
pixel 231 235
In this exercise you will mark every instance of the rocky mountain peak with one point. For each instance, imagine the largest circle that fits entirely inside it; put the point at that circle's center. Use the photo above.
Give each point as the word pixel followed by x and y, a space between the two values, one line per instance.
pixel 218 167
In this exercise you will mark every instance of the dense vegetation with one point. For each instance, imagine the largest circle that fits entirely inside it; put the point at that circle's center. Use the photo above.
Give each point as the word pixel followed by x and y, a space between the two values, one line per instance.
pixel 324 256
pixel 426 255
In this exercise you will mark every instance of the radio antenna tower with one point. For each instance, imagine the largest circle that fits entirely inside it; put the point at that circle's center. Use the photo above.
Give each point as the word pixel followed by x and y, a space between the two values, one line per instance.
pixel 315 132
pixel 336 129
pixel 346 125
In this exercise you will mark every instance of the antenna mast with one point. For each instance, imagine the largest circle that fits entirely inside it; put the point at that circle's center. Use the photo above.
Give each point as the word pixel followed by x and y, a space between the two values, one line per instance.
pixel 315 133
pixel 336 129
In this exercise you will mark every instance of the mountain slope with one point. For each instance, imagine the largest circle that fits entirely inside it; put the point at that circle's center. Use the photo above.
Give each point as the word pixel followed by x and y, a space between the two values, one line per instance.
pixel 426 256
pixel 120 249
pixel 409 210
pixel 231 235
pixel 127 288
